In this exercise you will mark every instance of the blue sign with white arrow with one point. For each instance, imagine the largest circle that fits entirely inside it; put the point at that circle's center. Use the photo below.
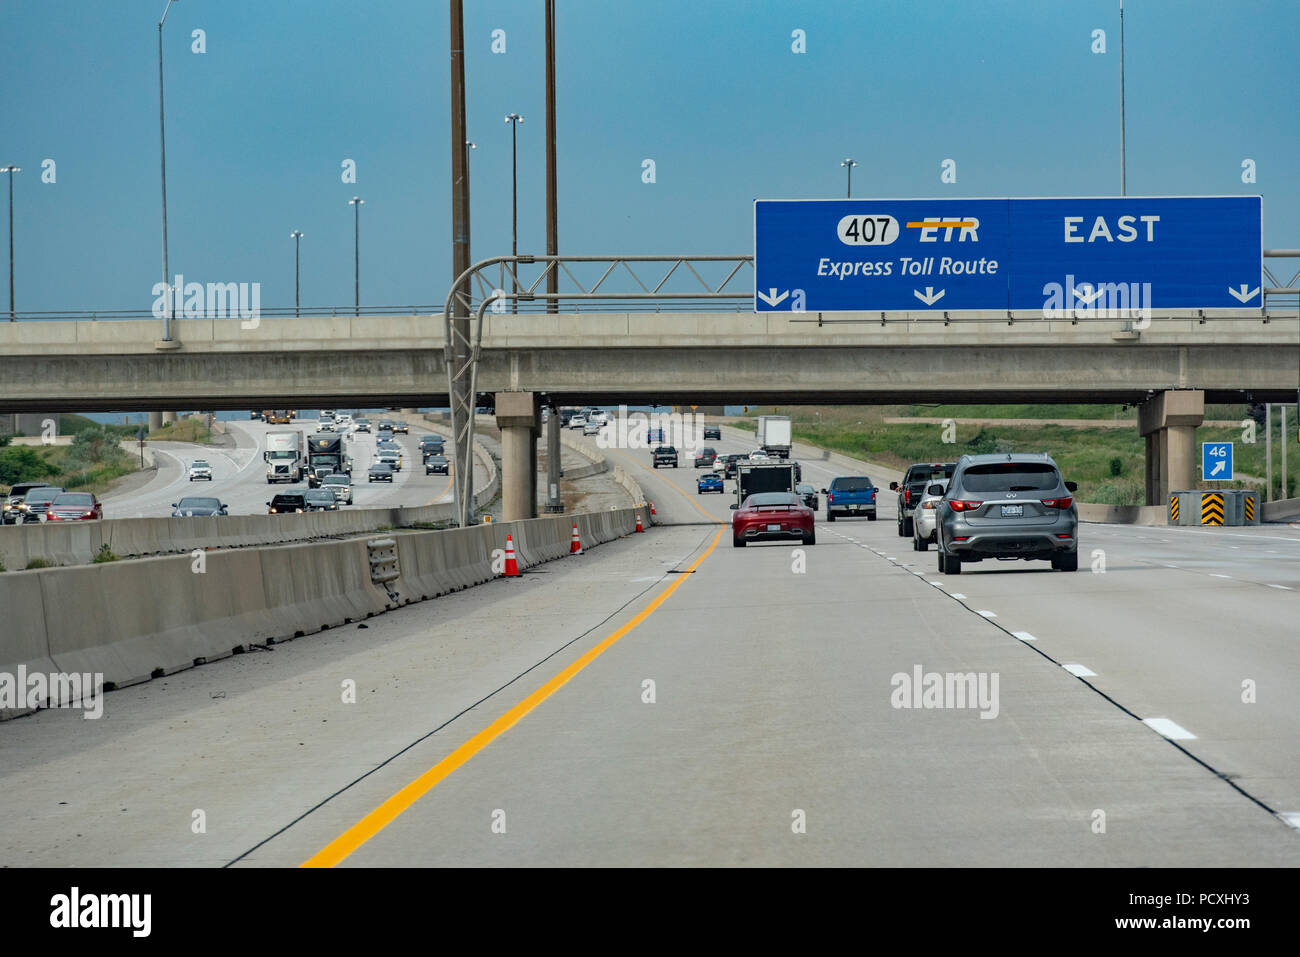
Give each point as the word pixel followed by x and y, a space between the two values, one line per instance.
pixel 1216 461
pixel 1063 256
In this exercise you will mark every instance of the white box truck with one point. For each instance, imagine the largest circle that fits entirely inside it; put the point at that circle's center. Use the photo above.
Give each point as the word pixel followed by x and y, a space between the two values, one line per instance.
pixel 774 435
pixel 285 457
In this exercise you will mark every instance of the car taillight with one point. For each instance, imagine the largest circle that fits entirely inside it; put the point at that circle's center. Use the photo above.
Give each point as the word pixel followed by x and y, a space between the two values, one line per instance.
pixel 930 504
pixel 1058 502
pixel 907 496
pixel 830 496
pixel 964 506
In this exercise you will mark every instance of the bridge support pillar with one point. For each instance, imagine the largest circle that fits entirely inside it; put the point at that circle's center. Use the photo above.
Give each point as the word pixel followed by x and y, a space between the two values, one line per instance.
pixel 168 418
pixel 1168 420
pixel 155 421
pixel 517 419
pixel 554 502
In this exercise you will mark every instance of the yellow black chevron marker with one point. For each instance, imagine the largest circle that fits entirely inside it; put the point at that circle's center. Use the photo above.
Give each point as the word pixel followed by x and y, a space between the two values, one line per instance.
pixel 1173 508
pixel 1211 508
pixel 1250 508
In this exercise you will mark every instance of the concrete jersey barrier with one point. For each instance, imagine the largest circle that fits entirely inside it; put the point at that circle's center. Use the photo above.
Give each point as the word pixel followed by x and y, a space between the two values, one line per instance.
pixel 133 620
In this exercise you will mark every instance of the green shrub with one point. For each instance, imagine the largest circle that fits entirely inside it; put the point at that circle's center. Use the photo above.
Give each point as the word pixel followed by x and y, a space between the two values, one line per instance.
pixel 1117 466
pixel 105 554
pixel 21 463
pixel 39 563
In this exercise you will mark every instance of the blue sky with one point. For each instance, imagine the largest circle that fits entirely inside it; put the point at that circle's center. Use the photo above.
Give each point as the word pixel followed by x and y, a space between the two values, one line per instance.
pixel 258 126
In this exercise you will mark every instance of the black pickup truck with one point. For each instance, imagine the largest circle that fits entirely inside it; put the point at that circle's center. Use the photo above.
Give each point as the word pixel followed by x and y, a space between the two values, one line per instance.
pixel 912 489
pixel 665 455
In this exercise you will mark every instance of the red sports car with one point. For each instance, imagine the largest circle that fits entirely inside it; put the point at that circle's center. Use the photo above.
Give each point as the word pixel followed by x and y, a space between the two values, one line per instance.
pixel 74 507
pixel 772 515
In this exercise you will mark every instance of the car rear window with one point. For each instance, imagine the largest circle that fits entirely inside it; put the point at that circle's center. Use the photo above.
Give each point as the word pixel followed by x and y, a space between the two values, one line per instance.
pixel 856 483
pixel 1010 477
pixel 765 499
pixel 933 473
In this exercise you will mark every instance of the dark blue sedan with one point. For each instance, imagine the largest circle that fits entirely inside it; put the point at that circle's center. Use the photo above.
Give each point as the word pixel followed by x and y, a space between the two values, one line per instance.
pixel 708 482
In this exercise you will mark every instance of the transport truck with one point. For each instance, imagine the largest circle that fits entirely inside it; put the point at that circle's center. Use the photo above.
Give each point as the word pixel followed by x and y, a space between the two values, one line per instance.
pixel 285 456
pixel 326 454
pixel 279 416
pixel 753 477
pixel 774 435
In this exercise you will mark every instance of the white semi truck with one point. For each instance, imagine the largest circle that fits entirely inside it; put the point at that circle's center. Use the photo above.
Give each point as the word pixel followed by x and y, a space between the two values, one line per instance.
pixel 774 435
pixel 285 457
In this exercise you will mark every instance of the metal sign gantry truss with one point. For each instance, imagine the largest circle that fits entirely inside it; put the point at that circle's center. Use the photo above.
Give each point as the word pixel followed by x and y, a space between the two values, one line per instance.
pixel 465 337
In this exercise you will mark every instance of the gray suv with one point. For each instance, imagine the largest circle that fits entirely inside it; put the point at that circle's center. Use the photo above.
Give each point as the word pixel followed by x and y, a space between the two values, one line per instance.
pixel 1008 506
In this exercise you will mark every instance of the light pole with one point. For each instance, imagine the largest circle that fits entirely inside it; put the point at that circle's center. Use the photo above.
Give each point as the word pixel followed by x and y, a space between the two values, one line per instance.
pixel 296 236
pixel 514 119
pixel 1123 162
pixel 356 203
pixel 849 164
pixel 11 170
pixel 162 153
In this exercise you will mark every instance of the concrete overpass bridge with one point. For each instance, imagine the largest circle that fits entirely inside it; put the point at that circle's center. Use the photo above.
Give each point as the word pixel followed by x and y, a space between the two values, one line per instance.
pixel 639 357
pixel 1169 369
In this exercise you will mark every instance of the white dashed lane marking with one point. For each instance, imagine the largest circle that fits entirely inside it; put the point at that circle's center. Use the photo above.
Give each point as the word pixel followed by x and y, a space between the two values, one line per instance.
pixel 1170 729
pixel 1080 671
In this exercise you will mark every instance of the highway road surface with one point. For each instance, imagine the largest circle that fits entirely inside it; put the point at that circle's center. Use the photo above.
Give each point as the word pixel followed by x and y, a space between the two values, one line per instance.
pixel 239 474
pixel 670 700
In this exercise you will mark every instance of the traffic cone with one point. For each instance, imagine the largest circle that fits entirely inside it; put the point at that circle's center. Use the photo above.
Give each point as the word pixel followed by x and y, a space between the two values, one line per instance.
pixel 638 522
pixel 652 509
pixel 575 545
pixel 512 566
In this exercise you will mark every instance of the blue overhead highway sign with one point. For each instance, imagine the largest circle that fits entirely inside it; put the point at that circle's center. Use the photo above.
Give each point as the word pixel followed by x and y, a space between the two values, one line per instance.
pixel 1216 461
pixel 1056 255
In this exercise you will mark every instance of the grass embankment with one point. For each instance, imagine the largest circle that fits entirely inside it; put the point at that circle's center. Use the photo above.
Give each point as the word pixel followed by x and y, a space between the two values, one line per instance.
pixel 184 430
pixel 91 463
pixel 1108 464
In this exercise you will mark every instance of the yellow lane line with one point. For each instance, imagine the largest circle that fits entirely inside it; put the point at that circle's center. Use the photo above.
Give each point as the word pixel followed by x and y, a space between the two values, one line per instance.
pixel 358 834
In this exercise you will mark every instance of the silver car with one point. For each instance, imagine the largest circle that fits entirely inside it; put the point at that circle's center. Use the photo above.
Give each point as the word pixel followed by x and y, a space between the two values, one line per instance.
pixel 925 515
pixel 341 484
pixel 1012 506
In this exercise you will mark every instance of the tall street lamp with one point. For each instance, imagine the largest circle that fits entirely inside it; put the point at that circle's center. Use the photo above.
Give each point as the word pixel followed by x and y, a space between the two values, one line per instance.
pixel 356 203
pixel 296 236
pixel 11 170
pixel 162 152
pixel 514 119
pixel 849 164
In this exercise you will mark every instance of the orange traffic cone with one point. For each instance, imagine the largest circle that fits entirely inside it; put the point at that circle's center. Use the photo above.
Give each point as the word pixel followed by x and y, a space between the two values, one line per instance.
pixel 512 566
pixel 652 509
pixel 638 522
pixel 575 546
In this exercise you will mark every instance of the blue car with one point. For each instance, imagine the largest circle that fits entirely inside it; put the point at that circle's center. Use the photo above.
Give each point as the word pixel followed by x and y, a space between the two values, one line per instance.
pixel 708 482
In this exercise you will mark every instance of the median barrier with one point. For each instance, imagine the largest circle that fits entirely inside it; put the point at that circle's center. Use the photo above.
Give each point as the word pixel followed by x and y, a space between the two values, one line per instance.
pixel 25 643
pixel 317 585
pixel 1280 510
pixel 1122 514
pixel 131 620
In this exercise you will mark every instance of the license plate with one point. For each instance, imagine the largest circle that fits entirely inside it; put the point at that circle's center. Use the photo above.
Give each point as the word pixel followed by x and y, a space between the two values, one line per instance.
pixel 853 508
pixel 774 528
pixel 1013 511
